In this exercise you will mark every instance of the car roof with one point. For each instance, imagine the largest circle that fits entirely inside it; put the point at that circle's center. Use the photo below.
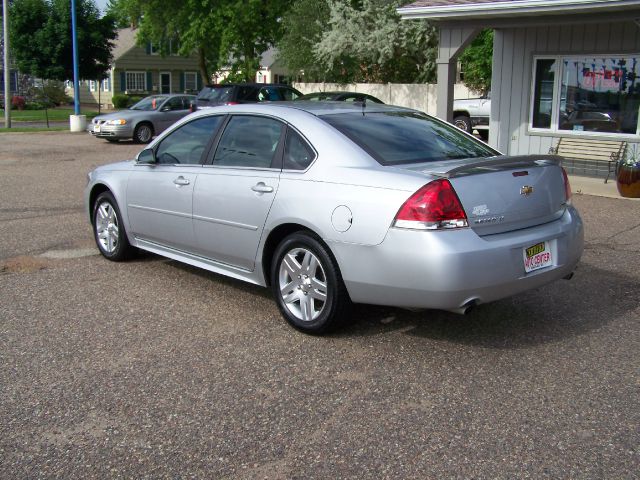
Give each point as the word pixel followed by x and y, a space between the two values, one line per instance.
pixel 242 84
pixel 314 108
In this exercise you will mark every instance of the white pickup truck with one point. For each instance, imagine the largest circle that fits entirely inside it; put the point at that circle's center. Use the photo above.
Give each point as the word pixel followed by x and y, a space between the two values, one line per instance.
pixel 473 114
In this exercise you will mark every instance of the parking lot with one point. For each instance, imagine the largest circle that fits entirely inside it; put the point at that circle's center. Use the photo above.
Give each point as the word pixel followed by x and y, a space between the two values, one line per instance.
pixel 151 368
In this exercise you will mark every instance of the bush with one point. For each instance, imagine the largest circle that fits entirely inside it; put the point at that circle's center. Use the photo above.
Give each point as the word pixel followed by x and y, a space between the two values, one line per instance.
pixel 120 101
pixel 53 91
pixel 18 102
pixel 36 105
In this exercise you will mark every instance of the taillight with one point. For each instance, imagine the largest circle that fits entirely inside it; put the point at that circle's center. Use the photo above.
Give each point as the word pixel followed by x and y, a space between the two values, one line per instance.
pixel 231 103
pixel 567 186
pixel 435 206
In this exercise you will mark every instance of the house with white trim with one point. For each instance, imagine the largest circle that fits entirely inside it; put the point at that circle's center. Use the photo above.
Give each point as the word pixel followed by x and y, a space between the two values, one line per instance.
pixel 137 70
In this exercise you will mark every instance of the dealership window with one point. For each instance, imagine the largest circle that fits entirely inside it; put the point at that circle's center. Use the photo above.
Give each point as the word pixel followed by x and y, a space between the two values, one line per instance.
pixel 586 95
pixel 136 81
pixel 190 81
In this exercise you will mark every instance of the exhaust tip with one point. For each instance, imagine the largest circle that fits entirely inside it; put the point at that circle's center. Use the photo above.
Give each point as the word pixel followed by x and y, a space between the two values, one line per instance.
pixel 466 308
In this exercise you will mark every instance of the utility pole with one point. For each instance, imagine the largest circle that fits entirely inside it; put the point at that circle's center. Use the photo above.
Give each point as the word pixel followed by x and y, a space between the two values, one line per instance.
pixel 7 72
pixel 77 122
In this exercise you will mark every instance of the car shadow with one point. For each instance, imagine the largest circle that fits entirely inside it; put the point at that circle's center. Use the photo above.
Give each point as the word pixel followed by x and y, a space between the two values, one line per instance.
pixel 563 309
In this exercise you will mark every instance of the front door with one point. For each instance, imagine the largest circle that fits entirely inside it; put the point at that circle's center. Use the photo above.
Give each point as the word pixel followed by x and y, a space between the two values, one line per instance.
pixel 160 195
pixel 165 82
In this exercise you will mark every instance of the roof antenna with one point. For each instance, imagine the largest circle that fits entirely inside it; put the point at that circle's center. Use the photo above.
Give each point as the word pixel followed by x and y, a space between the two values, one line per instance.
pixel 364 104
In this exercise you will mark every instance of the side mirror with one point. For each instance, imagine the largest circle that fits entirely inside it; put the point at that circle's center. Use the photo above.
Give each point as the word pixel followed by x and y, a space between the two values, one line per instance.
pixel 146 157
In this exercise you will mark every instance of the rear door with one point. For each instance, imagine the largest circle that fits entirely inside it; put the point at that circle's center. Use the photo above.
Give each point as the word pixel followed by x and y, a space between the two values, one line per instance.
pixel 236 189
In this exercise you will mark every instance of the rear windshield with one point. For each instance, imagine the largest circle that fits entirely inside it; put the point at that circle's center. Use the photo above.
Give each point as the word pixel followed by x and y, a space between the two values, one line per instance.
pixel 215 94
pixel 395 138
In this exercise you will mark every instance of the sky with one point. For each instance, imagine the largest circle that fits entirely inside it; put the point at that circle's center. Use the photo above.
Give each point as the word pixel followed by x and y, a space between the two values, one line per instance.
pixel 101 4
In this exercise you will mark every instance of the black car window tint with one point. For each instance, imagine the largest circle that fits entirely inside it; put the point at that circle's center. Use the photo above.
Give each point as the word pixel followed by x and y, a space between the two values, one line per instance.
pixel 248 141
pixel 186 144
pixel 174 103
pixel 247 93
pixel 298 155
pixel 394 138
pixel 288 94
pixel 268 94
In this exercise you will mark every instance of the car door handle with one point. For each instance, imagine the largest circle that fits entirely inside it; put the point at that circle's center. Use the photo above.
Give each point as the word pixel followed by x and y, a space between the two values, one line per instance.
pixel 260 187
pixel 181 181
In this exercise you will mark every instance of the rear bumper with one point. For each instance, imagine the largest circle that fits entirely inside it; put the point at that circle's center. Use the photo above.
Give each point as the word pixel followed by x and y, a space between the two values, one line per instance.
pixel 447 269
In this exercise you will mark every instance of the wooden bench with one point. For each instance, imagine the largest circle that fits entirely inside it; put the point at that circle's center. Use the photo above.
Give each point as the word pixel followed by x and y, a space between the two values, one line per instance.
pixel 590 157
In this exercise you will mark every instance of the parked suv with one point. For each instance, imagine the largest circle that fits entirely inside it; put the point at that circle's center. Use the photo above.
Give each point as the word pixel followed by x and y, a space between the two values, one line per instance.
pixel 473 114
pixel 232 93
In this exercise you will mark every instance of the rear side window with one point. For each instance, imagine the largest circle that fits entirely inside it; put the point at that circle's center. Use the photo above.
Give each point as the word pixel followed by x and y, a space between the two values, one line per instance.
pixel 288 94
pixel 298 155
pixel 187 144
pixel 249 141
pixel 394 138
pixel 268 94
pixel 215 94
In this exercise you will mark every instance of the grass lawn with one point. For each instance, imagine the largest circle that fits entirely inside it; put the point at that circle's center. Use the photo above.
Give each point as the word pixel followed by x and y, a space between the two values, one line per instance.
pixel 33 129
pixel 55 114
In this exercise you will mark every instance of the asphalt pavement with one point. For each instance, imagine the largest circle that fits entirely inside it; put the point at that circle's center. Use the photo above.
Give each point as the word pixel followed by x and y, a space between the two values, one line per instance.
pixel 153 369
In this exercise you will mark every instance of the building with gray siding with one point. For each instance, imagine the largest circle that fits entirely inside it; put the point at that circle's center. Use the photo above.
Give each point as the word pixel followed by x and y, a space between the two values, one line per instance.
pixel 561 68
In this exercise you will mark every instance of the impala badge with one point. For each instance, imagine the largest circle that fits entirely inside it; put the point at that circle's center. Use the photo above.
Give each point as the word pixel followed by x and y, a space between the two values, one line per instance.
pixel 526 190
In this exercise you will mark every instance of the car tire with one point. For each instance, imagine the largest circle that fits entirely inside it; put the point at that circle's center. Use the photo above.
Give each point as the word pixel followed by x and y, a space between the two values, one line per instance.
pixel 307 284
pixel 143 133
pixel 463 123
pixel 112 140
pixel 108 229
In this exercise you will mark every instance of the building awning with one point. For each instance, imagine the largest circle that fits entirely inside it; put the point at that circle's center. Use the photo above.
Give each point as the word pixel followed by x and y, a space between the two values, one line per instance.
pixel 453 10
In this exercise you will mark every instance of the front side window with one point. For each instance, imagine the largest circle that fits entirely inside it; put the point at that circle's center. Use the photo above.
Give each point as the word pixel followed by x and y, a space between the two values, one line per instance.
pixel 597 94
pixel 186 145
pixel 175 103
pixel 394 138
pixel 249 141
pixel 152 102
pixel 288 93
pixel 136 81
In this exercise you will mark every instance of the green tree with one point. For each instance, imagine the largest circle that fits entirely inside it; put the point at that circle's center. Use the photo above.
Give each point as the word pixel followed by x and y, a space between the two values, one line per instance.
pixel 476 61
pixel 303 25
pixel 367 41
pixel 221 32
pixel 193 25
pixel 41 38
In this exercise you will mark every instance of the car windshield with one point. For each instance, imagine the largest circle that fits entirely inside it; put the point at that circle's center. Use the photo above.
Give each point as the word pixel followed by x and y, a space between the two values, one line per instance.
pixel 149 103
pixel 215 94
pixel 395 138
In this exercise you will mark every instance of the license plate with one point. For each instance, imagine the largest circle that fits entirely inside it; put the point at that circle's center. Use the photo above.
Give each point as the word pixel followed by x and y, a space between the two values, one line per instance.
pixel 96 128
pixel 537 256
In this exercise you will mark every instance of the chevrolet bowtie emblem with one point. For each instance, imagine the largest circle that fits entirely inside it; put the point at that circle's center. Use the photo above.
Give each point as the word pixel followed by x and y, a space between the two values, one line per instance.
pixel 526 190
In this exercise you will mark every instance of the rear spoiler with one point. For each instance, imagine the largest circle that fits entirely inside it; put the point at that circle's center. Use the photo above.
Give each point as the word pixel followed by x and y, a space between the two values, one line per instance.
pixel 503 162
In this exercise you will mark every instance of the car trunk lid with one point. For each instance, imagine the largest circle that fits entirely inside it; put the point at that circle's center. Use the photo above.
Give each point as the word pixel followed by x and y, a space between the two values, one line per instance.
pixel 501 194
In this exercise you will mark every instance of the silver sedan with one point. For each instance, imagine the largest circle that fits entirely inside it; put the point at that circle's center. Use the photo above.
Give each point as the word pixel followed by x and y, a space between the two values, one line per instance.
pixel 142 121
pixel 329 204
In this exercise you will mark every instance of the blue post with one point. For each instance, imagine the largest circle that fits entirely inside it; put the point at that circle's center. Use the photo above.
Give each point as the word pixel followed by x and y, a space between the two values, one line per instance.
pixel 74 39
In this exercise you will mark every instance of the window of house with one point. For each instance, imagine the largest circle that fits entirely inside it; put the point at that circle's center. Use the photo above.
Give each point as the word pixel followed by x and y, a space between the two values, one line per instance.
pixel 586 95
pixel 190 81
pixel 92 86
pixel 136 81
pixel 106 84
